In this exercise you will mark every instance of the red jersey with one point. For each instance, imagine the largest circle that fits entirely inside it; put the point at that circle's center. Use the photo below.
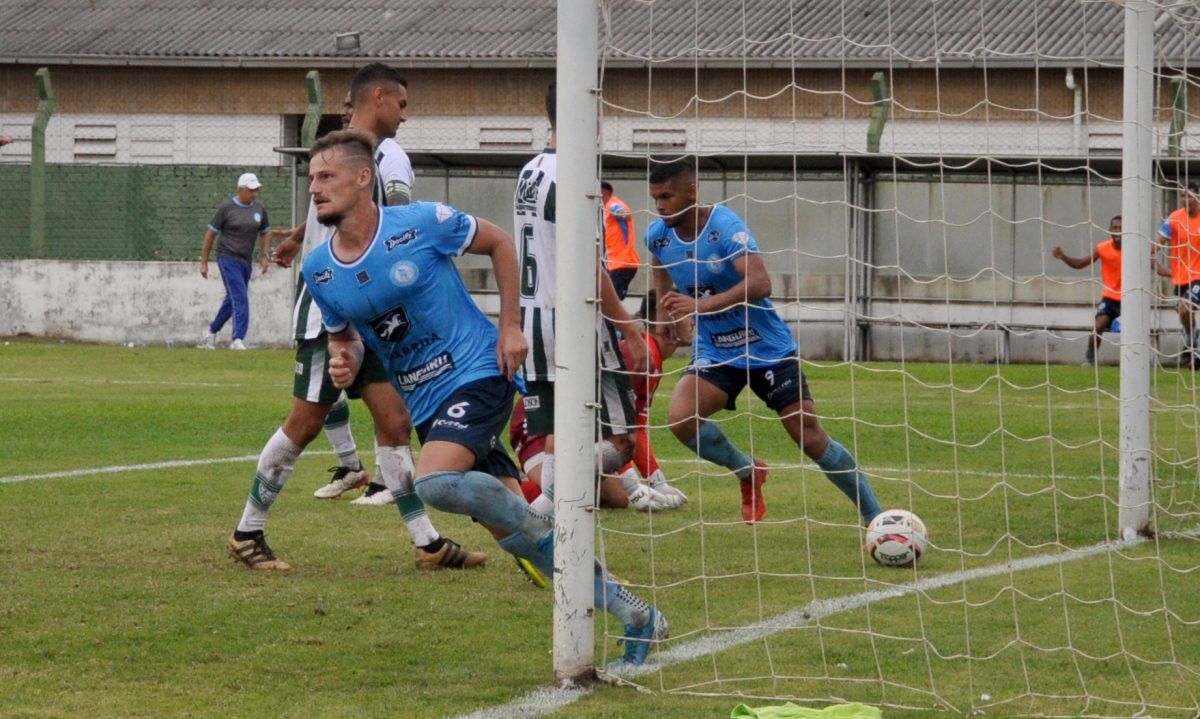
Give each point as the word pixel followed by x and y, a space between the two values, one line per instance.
pixel 526 447
pixel 645 384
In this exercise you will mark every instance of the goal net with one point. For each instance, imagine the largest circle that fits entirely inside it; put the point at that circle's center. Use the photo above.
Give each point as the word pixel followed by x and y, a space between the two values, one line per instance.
pixel 908 169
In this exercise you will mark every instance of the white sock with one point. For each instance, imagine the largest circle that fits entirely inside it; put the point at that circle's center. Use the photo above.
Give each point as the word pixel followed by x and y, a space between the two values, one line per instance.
pixel 396 469
pixel 337 429
pixel 544 502
pixel 275 464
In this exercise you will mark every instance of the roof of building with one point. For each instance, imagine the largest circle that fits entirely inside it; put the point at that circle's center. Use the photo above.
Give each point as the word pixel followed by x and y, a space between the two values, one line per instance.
pixel 462 33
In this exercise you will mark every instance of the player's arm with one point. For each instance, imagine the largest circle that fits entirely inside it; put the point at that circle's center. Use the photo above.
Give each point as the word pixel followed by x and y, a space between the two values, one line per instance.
pixel 1161 269
pixel 614 311
pixel 286 251
pixel 754 286
pixel 346 356
pixel 1076 262
pixel 206 250
pixel 496 243
pixel 663 285
pixel 265 251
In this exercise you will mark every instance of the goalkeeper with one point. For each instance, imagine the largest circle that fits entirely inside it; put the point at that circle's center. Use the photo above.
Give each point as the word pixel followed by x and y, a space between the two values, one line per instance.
pixel 707 267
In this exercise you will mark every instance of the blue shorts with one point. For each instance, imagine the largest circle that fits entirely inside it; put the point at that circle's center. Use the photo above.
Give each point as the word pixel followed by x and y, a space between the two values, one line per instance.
pixel 1189 292
pixel 1109 307
pixel 473 417
pixel 779 385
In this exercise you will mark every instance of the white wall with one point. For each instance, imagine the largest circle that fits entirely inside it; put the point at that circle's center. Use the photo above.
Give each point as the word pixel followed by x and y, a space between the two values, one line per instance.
pixel 122 302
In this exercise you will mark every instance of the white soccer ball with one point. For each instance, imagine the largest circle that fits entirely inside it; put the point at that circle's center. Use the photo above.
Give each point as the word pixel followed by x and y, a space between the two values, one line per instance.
pixel 897 538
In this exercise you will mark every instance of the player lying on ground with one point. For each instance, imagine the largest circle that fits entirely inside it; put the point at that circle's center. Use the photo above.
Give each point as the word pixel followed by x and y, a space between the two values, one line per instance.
pixel 707 268
pixel 387 279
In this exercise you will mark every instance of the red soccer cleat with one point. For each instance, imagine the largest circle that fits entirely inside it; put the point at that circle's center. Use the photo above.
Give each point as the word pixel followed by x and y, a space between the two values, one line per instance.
pixel 753 504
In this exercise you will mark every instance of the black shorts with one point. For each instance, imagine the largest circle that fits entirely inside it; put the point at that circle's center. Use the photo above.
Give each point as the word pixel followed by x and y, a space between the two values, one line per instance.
pixel 473 417
pixel 1109 307
pixel 779 385
pixel 1189 292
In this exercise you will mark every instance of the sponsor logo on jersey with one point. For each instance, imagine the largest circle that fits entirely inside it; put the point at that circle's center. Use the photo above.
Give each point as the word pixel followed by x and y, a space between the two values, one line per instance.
pixel 443 212
pixel 531 403
pixel 403 238
pixel 323 277
pixel 702 291
pixel 740 238
pixel 404 273
pixel 527 188
pixel 419 345
pixel 362 277
pixel 737 338
pixel 713 236
pixel 432 369
pixel 460 222
pixel 300 368
pixel 450 423
pixel 391 326
pixel 659 243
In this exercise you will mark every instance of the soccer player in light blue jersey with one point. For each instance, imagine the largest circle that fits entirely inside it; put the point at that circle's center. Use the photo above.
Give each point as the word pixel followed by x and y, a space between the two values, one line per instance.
pixel 707 267
pixel 386 279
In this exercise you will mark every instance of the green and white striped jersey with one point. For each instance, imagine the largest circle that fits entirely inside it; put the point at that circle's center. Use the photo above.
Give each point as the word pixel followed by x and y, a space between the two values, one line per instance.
pixel 393 171
pixel 534 231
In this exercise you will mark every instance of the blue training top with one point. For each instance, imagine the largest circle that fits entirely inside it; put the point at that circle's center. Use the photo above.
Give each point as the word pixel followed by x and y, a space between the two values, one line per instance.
pixel 746 335
pixel 406 299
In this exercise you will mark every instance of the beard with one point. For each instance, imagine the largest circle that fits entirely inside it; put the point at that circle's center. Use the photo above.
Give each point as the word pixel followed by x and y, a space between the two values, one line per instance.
pixel 333 219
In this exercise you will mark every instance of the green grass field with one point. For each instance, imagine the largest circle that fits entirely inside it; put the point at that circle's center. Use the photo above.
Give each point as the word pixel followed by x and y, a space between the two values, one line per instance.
pixel 119 599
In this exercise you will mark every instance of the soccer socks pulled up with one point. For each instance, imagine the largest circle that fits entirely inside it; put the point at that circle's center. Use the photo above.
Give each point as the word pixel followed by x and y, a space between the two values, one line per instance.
pixel 520 545
pixel 396 470
pixel 337 429
pixel 712 444
pixel 275 464
pixel 544 502
pixel 841 469
pixel 482 496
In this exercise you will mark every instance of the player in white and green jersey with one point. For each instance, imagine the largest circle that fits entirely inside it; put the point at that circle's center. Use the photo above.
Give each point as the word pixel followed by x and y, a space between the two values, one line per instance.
pixel 535 231
pixel 380 101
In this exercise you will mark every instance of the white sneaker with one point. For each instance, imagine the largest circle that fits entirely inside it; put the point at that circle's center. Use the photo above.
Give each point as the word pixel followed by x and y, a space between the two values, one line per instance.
pixel 376 495
pixel 343 480
pixel 208 341
pixel 238 345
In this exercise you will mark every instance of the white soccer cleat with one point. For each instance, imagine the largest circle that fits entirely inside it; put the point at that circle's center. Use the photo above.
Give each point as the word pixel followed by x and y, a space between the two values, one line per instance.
pixel 376 495
pixel 343 480
pixel 208 341
pixel 238 345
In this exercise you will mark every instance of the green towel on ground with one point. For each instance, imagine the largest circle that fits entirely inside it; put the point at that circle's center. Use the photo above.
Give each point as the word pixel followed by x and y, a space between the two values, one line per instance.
pixel 792 711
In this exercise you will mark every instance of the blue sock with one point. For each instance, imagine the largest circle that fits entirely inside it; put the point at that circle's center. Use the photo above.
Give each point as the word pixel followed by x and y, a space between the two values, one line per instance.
pixel 608 595
pixel 519 545
pixel 841 469
pixel 712 444
pixel 483 497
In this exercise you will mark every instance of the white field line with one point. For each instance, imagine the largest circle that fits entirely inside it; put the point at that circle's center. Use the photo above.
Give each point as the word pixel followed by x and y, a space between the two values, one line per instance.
pixel 546 700
pixel 171 464
pixel 164 383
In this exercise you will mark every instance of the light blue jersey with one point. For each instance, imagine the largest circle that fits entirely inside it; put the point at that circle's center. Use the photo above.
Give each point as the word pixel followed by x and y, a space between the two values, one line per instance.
pixel 406 299
pixel 743 335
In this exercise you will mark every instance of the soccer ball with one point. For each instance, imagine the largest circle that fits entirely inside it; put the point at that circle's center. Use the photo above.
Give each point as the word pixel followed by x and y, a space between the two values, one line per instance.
pixel 897 538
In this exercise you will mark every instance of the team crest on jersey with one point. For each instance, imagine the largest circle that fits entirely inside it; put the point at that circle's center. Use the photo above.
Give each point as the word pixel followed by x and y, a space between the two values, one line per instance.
pixel 713 236
pixel 403 238
pixel 404 273
pixel 527 187
pixel 714 262
pixel 391 326
pixel 258 217
pixel 443 213
pixel 323 277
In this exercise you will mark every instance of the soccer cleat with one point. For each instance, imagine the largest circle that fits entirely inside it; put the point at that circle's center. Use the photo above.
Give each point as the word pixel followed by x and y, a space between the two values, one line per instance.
pixel 450 556
pixel 208 341
pixel 376 495
pixel 238 345
pixel 535 577
pixel 637 640
pixel 753 504
pixel 255 553
pixel 343 480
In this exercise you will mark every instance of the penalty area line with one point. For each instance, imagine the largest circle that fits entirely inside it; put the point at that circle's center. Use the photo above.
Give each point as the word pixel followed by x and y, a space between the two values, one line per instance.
pixel 118 469
pixel 546 700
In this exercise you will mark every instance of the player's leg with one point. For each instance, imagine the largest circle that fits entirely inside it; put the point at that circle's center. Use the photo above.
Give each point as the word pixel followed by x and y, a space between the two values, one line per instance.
pixel 393 457
pixel 784 389
pixel 224 312
pixel 349 474
pixel 248 543
pixel 618 425
pixel 238 274
pixel 647 465
pixel 1104 317
pixel 539 422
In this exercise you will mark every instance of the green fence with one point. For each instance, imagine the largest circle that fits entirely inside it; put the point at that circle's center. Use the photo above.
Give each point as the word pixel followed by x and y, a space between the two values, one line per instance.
pixel 128 212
